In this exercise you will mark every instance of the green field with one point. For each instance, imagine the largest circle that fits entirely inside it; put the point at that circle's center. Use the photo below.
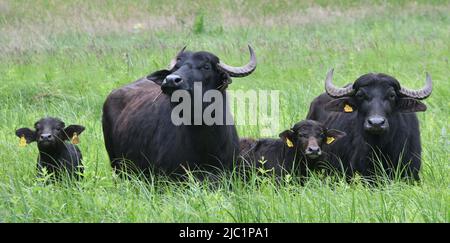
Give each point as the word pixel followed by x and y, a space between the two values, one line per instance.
pixel 62 58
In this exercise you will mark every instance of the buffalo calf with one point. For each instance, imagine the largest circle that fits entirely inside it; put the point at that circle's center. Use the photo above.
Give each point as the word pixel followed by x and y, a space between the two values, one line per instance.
pixel 56 154
pixel 298 149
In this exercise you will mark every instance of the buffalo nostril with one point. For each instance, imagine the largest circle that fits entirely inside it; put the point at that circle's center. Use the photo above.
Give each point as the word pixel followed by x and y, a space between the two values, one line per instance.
pixel 313 149
pixel 173 79
pixel 178 80
pixel 377 121
pixel 46 136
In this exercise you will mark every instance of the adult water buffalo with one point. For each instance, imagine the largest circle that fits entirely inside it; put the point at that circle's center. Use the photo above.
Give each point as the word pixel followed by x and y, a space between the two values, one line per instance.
pixel 377 114
pixel 140 133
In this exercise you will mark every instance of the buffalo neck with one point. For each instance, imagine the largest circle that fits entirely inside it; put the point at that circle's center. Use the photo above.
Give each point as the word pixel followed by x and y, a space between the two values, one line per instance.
pixel 294 155
pixel 52 152
pixel 213 136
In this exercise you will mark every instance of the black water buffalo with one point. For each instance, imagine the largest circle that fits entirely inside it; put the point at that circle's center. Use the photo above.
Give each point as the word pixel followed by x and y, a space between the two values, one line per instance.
pixel 56 154
pixel 298 149
pixel 140 135
pixel 377 113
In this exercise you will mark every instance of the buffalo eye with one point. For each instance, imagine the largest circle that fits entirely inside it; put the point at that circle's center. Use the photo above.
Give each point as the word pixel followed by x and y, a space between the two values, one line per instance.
pixel 392 96
pixel 177 65
pixel 360 95
pixel 207 66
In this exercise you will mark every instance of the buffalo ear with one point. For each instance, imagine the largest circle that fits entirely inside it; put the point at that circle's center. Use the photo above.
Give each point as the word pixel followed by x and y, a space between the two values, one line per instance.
pixel 288 137
pixel 159 76
pixel 29 134
pixel 333 135
pixel 72 129
pixel 341 105
pixel 406 105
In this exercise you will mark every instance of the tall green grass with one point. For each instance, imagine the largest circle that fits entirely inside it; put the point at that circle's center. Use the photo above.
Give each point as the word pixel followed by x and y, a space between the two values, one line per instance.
pixel 63 58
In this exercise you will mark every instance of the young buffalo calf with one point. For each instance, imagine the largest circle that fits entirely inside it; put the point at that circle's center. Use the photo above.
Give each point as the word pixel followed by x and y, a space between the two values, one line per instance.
pixel 298 149
pixel 55 154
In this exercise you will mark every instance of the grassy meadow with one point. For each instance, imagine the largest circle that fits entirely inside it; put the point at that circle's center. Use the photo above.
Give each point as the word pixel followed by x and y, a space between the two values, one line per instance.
pixel 62 58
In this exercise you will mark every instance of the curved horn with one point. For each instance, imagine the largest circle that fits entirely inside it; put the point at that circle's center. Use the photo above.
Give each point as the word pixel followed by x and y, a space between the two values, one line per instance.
pixel 421 93
pixel 173 62
pixel 334 91
pixel 240 71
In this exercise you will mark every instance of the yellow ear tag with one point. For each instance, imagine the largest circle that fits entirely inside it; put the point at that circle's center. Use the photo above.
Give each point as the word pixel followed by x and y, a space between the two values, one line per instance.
pixel 75 138
pixel 348 108
pixel 22 141
pixel 330 140
pixel 289 143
